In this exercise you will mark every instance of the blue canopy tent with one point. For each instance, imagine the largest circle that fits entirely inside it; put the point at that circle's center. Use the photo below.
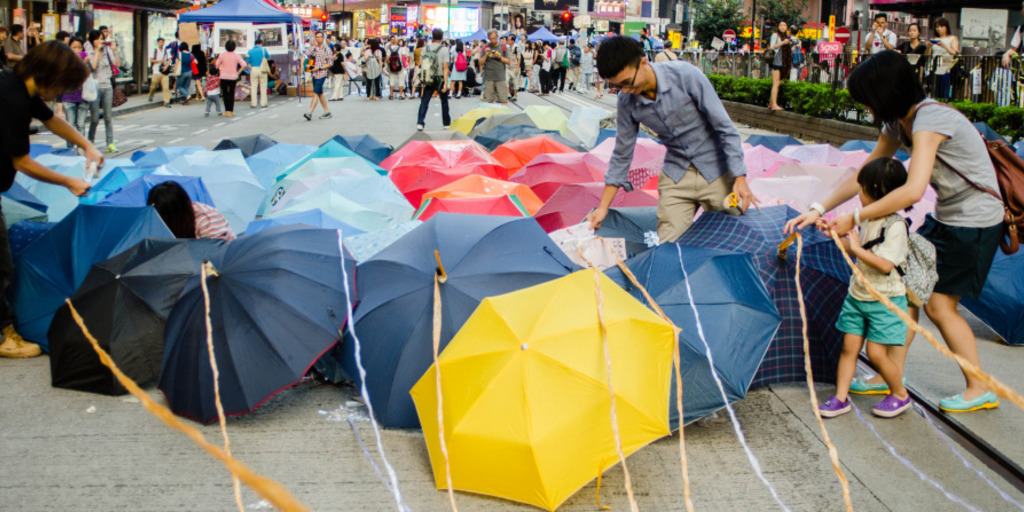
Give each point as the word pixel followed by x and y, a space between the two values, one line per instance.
pixel 542 34
pixel 479 35
pixel 246 11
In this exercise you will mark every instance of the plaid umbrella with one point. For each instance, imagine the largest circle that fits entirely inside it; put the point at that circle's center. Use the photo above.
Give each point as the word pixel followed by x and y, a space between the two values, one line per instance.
pixel 824 278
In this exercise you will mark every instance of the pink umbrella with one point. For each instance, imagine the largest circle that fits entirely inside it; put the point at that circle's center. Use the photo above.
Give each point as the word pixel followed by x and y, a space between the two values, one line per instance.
pixel 762 162
pixel 854 159
pixel 571 204
pixel 798 184
pixel 648 159
pixel 547 172
pixel 819 154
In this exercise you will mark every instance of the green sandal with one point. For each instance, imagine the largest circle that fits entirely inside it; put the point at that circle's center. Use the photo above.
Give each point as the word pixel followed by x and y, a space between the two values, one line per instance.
pixel 956 403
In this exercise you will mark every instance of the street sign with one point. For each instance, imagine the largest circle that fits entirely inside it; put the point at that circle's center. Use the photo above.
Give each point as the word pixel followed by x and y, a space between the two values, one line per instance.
pixel 843 35
pixel 729 35
pixel 832 28
pixel 834 47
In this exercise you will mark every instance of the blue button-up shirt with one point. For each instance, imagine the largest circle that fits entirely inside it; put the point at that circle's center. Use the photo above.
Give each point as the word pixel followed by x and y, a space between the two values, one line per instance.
pixel 690 120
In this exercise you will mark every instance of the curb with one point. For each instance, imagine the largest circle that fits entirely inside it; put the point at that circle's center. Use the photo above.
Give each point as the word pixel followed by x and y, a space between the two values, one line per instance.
pixel 137 108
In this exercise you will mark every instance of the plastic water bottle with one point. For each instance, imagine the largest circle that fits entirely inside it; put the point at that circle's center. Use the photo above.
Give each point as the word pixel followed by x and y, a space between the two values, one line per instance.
pixel 92 171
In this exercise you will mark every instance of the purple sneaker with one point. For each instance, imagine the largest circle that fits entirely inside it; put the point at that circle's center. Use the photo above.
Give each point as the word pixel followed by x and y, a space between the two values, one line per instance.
pixel 890 407
pixel 833 407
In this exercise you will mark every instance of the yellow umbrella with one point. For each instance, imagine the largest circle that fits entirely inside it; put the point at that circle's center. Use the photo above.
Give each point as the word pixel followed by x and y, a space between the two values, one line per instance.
pixel 548 118
pixel 467 121
pixel 525 394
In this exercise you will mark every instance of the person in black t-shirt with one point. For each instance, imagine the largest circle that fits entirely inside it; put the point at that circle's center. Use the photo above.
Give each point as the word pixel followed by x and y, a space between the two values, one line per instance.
pixel 47 71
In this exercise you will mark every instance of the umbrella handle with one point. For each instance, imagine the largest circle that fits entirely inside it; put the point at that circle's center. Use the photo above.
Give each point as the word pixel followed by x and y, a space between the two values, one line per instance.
pixel 442 276
pixel 784 246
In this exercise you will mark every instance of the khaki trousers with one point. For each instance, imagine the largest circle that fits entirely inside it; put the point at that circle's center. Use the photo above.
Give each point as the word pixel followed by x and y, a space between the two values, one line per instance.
pixel 257 86
pixel 158 78
pixel 678 202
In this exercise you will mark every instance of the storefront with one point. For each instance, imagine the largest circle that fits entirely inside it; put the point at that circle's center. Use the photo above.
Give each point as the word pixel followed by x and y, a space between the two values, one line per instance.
pixel 455 21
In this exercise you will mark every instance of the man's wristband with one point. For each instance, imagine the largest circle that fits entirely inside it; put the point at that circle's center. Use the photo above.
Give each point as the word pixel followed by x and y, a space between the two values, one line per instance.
pixel 818 208
pixel 856 216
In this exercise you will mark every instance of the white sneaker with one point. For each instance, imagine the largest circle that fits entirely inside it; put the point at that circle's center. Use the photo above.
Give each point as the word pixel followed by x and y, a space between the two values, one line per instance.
pixel 420 127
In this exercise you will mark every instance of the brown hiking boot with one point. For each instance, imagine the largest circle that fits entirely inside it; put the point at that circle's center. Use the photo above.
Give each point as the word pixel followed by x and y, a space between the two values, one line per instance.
pixel 14 346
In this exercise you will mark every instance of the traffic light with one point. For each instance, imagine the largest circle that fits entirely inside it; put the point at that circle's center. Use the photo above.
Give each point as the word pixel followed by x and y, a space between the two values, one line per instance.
pixel 567 22
pixel 323 17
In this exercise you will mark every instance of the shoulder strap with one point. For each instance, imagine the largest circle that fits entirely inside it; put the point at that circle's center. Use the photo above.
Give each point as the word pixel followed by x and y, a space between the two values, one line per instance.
pixel 987 190
pixel 881 235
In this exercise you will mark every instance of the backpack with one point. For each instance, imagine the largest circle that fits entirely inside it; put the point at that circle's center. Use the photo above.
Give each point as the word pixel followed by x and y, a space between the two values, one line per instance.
pixel 460 62
pixel 576 55
pixel 918 273
pixel 798 55
pixel 394 62
pixel 429 72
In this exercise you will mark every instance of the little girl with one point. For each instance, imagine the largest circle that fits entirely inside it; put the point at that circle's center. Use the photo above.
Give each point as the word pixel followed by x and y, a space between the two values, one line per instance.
pixel 863 317
pixel 213 92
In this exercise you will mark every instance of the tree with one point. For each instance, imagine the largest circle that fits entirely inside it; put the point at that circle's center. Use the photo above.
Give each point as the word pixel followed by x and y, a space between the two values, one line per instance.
pixel 714 17
pixel 771 12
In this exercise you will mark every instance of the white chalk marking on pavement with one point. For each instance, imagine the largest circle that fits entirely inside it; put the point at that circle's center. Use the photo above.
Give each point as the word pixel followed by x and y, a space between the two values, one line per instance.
pixel 220 124
pixel 272 117
pixel 198 132
pixel 179 139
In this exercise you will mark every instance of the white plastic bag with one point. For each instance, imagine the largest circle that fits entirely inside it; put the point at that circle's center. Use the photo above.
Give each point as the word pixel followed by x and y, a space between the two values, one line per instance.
pixel 580 238
pixel 90 90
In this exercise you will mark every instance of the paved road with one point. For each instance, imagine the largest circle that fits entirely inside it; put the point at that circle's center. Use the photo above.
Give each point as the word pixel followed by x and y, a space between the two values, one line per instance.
pixel 65 450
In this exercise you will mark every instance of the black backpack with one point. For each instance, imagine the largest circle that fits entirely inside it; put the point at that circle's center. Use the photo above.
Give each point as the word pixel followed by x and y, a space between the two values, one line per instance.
pixel 394 62
pixel 575 54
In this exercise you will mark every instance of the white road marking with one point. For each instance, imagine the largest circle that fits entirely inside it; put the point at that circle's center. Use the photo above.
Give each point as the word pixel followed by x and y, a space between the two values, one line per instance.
pixel 199 132
pixel 220 124
pixel 179 139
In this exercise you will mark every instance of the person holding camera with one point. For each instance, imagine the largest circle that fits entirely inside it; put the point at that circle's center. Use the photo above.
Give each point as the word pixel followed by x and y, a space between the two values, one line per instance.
pixel 161 71
pixel 881 38
pixel 493 61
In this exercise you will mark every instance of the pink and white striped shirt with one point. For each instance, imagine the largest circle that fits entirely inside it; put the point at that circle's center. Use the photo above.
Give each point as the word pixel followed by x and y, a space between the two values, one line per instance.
pixel 210 223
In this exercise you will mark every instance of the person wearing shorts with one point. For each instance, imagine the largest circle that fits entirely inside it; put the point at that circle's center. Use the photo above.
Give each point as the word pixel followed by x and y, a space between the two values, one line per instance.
pixel 493 61
pixel 321 56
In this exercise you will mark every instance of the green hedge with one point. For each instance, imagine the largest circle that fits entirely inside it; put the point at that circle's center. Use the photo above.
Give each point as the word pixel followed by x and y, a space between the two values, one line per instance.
pixel 819 100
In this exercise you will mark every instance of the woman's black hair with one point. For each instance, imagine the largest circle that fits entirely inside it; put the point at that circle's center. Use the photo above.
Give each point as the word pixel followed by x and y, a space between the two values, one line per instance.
pixel 459 47
pixel 54 66
pixel 942 22
pixel 184 47
pixel 230 46
pixel 881 176
pixel 888 84
pixel 175 208
pixel 617 53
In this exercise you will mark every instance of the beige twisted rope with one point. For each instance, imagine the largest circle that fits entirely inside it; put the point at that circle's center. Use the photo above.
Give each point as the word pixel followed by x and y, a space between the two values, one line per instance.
pixel 441 277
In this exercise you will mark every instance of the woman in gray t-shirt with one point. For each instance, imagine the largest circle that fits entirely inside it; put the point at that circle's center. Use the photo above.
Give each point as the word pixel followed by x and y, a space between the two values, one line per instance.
pixel 966 227
pixel 101 61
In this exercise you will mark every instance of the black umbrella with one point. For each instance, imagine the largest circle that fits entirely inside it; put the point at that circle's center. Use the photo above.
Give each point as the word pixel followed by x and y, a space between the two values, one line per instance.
pixel 248 144
pixel 125 302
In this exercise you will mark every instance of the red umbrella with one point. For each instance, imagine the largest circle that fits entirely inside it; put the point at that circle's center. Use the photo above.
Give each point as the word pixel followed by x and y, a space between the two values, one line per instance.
pixel 430 165
pixel 546 173
pixel 648 159
pixel 514 154
pixel 572 202
pixel 506 206
pixel 440 152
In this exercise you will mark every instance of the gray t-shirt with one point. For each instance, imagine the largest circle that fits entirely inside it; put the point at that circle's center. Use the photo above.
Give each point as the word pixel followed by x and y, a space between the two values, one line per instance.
pixel 494 68
pixel 442 56
pixel 102 73
pixel 958 203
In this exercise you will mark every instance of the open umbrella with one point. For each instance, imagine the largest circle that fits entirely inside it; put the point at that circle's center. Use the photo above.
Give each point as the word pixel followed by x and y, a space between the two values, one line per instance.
pixel 59 202
pixel 271 162
pixel 482 256
pixel 526 392
pixel 22 233
pixel 374 192
pixel 19 194
pixel 329 149
pixel 249 145
pixel 38 150
pixel 638 225
pixel 50 269
pixel 313 173
pixel 730 295
pixel 816 154
pixel 364 246
pixel 514 154
pixel 798 184
pixel 648 160
pixel 609 133
pixel 467 121
pixel 508 206
pixel 436 164
pixel 341 207
pixel 501 134
pixel 855 159
pixel 762 162
pixel 162 155
pixel 366 146
pixel 425 136
pixel 437 154
pixel 509 119
pixel 136 193
pixel 585 123
pixel 475 185
pixel 1001 303
pixel 15 212
pixel 824 277
pixel 546 173
pixel 115 179
pixel 125 301
pixel 231 184
pixel 869 146
pixel 274 303
pixel 572 202
pixel 773 142
pixel 548 118
pixel 313 218
pixel 988 132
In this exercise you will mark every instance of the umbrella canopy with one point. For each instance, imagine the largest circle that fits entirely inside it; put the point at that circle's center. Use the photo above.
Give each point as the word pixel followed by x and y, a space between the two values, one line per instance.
pixel 115 180
pixel 542 34
pixel 499 135
pixel 482 256
pixel 435 164
pixel 514 154
pixel 607 133
pixel 436 135
pixel 52 268
pixel 38 150
pixel 502 119
pixel 525 390
pixel 59 202
pixel 824 277
pixel 467 121
pixel 312 218
pixel 648 160
pixel 479 35
pixel 1001 303
pixel 22 233
pixel 855 159
pixel 585 123
pixel 231 184
pixel 988 132
pixel 548 118
pixel 762 162
pixel 436 153
pixel 162 155
pixel 817 154
pixel 366 146
pixel 869 146
pixel 507 206
pixel 15 212
pixel 311 174
pixel 799 184
pixel 729 292
pixel 125 301
pixel 638 225
pixel 364 246
pixel 271 162
pixel 329 149
pixel 19 194
pixel 136 193
pixel 481 186
pixel 249 145
pixel 773 142
pixel 571 203
pixel 546 173
pixel 364 217
pixel 374 192
pixel 271 304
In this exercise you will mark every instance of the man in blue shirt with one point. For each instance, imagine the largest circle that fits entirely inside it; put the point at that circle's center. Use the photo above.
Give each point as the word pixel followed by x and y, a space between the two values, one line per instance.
pixel 257 75
pixel 704 158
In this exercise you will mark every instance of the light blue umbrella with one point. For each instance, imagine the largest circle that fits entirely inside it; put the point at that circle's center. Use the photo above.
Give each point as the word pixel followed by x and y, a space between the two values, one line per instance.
pixel 162 155
pixel 270 162
pixel 15 212
pixel 364 246
pixel 585 124
pixel 52 267
pixel 20 194
pixel 58 199
pixel 376 194
pixel 312 218
pixel 329 149
pixel 136 193
pixel 115 180
pixel 231 184
pixel 280 191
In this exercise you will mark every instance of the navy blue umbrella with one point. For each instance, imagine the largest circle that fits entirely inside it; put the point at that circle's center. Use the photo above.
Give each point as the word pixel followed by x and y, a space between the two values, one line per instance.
pixel 1001 303
pixel 136 193
pixel 277 301
pixel 501 134
pixel 869 146
pixel 824 278
pixel 773 142
pixel 249 145
pixel 366 146
pixel 735 310
pixel 637 224
pixel 988 132
pixel 483 256
pixel 124 301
